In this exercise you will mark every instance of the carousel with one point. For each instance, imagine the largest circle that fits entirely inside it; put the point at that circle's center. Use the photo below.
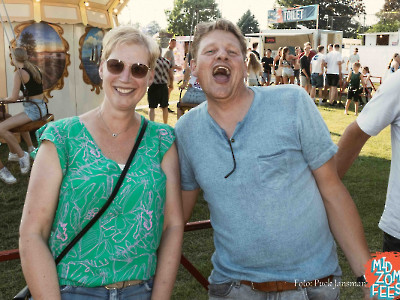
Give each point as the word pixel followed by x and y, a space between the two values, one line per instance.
pixel 63 38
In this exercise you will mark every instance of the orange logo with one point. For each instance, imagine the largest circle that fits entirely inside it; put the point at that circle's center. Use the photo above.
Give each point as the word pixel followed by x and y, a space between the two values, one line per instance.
pixel 382 273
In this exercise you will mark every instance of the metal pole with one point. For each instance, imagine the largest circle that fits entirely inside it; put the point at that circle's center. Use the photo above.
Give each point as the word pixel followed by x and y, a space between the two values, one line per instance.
pixel 10 46
pixel 317 17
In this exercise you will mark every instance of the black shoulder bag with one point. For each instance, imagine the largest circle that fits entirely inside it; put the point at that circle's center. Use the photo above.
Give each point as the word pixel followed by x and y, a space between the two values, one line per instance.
pixel 25 294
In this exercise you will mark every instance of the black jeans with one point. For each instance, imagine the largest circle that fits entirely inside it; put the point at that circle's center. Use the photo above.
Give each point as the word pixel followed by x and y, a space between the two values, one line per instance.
pixel 390 243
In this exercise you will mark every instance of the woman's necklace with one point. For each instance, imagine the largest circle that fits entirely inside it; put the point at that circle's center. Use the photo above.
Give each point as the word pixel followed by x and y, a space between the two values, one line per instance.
pixel 113 134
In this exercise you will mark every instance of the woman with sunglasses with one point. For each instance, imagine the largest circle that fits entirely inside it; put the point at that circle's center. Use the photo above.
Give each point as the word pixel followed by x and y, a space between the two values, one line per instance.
pixel 133 250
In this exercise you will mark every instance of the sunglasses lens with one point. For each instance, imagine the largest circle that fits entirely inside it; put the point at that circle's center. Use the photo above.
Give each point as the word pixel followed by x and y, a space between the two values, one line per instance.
pixel 115 66
pixel 139 70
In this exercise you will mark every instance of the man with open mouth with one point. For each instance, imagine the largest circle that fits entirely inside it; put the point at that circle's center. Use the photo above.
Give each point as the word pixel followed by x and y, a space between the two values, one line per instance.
pixel 263 157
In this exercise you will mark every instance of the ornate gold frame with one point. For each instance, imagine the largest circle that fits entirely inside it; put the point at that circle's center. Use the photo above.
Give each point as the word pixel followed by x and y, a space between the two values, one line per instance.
pixel 60 83
pixel 86 77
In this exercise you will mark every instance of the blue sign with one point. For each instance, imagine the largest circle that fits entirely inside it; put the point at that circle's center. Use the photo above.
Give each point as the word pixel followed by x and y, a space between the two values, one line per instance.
pixel 298 14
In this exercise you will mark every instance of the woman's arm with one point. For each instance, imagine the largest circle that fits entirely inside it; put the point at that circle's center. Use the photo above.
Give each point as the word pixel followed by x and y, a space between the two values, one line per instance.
pixel 169 252
pixel 17 83
pixel 37 217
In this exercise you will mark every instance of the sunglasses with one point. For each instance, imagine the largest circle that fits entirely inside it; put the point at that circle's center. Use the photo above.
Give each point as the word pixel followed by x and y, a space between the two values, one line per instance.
pixel 116 66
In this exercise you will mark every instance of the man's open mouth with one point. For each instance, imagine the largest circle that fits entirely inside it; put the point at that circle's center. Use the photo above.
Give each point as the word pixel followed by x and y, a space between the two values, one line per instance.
pixel 221 74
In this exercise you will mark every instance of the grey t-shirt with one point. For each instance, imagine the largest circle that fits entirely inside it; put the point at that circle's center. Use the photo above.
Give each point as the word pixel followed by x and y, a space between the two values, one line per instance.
pixel 268 216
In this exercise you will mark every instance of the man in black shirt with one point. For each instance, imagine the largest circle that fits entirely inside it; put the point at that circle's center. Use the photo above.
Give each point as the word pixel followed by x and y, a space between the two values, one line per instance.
pixel 255 45
pixel 267 62
pixel 305 74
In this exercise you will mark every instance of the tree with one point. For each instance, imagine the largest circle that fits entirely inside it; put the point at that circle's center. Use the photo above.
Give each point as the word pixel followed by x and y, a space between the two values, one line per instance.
pixel 187 12
pixel 28 42
pixel 248 23
pixel 152 28
pixel 333 14
pixel 389 17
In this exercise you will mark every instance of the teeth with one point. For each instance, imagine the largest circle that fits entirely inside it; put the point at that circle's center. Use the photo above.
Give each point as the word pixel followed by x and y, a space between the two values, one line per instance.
pixel 223 69
pixel 124 91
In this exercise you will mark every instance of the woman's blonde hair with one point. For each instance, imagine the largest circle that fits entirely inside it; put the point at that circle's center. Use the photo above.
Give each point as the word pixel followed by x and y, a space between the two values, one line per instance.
pixel 129 35
pixel 21 56
pixel 253 63
pixel 394 56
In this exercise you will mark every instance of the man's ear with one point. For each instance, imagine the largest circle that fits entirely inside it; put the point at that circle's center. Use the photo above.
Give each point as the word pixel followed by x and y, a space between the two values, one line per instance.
pixel 193 67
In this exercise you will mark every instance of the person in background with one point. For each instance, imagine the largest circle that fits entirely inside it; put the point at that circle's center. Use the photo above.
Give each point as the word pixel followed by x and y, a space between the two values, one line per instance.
pixel 305 76
pixel 296 65
pixel 157 93
pixel 254 70
pixel 354 91
pixel 255 45
pixel 28 75
pixel 394 63
pixel 286 63
pixel 267 63
pixel 353 59
pixel 318 65
pixel 169 54
pixel 333 73
pixel 263 158
pixel 133 250
pixel 383 110
pixel 366 77
pixel 278 67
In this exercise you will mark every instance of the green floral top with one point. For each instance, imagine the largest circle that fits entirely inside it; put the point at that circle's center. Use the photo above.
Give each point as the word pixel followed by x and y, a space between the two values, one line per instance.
pixel 122 244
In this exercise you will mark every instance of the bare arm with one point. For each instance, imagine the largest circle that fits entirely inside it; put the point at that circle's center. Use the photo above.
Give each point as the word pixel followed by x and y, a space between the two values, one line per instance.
pixel 344 221
pixel 16 84
pixel 40 206
pixel 350 145
pixel 169 251
pixel 189 199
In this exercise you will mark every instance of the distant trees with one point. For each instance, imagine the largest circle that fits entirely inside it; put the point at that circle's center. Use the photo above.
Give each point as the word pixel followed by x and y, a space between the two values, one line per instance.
pixel 248 23
pixel 187 12
pixel 389 17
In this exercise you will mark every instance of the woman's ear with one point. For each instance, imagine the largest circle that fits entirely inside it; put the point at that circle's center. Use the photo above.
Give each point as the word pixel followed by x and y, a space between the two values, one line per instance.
pixel 101 70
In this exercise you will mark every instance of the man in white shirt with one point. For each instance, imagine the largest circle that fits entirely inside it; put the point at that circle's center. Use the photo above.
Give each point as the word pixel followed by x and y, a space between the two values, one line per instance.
pixel 381 111
pixel 317 73
pixel 333 72
pixel 353 59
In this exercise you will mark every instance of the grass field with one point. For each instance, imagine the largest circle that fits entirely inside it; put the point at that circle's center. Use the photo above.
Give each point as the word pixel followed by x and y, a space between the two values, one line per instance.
pixel 366 181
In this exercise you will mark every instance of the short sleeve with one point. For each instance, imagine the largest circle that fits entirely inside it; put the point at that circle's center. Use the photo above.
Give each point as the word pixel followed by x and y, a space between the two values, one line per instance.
pixel 383 109
pixel 167 138
pixel 53 132
pixel 188 179
pixel 314 137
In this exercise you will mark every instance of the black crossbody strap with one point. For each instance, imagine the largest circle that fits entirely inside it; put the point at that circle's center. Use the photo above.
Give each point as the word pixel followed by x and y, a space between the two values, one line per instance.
pixel 110 199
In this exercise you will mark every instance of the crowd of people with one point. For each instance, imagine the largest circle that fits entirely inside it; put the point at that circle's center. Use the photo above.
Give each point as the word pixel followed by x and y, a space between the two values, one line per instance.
pixel 316 70
pixel 276 200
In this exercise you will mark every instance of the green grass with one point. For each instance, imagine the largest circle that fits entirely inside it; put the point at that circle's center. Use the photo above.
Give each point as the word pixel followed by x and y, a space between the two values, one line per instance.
pixel 366 181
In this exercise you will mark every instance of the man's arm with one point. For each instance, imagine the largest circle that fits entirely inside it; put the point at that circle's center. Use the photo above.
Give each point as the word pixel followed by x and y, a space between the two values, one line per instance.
pixel 189 199
pixel 343 218
pixel 344 221
pixel 350 145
